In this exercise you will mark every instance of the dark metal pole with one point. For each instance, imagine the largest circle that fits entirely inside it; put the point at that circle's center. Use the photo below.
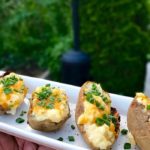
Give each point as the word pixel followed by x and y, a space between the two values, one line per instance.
pixel 75 21
pixel 75 63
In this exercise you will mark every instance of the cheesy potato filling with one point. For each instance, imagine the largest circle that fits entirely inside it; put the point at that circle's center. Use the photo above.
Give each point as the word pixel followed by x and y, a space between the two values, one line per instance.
pixel 97 120
pixel 12 92
pixel 100 136
pixel 144 100
pixel 49 103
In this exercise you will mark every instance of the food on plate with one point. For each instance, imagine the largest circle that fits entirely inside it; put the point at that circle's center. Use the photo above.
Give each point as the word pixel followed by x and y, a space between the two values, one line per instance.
pixel 12 92
pixel 138 120
pixel 97 121
pixel 124 131
pixel 127 146
pixel 49 108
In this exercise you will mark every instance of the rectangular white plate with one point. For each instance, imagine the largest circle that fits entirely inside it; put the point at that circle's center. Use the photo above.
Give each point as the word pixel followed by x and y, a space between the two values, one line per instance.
pixel 9 125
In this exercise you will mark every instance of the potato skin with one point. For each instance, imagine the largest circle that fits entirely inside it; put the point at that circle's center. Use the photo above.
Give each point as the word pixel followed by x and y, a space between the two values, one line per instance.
pixel 80 109
pixel 46 125
pixel 139 125
pixel 2 111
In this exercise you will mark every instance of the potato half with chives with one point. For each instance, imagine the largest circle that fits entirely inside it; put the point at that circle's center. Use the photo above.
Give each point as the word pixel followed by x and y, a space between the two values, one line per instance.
pixel 49 108
pixel 138 120
pixel 97 121
pixel 12 92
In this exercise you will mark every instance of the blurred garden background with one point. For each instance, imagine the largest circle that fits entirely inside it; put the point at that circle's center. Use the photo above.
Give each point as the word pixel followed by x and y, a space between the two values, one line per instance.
pixel 116 34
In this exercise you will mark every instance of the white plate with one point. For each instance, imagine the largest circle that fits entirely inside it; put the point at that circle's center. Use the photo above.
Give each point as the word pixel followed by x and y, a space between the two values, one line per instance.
pixel 9 125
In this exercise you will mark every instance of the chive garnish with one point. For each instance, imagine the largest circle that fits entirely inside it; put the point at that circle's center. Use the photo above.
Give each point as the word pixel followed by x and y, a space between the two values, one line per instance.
pixel 106 119
pixel 127 146
pixel 71 138
pixel 98 105
pixel 48 85
pixel 124 131
pixel 20 120
pixel 90 98
pixel 9 81
pixel 7 90
pixel 52 98
pixel 60 139
pixel 22 113
pixel 42 103
pixel 148 107
pixel 44 94
pixel 72 127
pixel 112 118
pixel 50 106
pixel 59 99
pixel 95 90
pixel 99 121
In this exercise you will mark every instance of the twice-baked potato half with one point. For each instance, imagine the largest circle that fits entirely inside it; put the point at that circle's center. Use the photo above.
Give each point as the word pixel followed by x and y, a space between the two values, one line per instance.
pixel 97 121
pixel 138 120
pixel 12 92
pixel 49 108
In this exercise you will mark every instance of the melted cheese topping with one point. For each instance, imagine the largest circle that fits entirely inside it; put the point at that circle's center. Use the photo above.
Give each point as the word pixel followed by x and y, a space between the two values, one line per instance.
pixel 100 136
pixel 59 110
pixel 142 99
pixel 91 113
pixel 11 95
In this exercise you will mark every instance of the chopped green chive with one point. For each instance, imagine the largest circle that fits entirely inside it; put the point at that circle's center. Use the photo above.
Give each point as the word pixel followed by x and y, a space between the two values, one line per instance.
pixel 44 94
pixel 112 118
pixel 148 107
pixel 9 81
pixel 71 138
pixel 105 99
pixel 50 106
pixel 104 120
pixel 99 121
pixel 127 146
pixel 20 120
pixel 52 98
pixel 72 127
pixel 60 139
pixel 22 113
pixel 19 91
pixel 42 103
pixel 107 122
pixel 98 105
pixel 59 99
pixel 48 85
pixel 124 131
pixel 95 90
pixel 101 107
pixel 90 98
pixel 7 90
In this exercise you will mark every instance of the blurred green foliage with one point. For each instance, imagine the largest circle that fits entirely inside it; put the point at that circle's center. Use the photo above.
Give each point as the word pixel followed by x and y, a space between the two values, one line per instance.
pixel 34 33
pixel 113 33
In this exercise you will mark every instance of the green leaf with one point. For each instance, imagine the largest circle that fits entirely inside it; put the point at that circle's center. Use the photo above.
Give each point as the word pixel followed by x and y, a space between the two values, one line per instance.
pixel 20 120
pixel 124 131
pixel 50 106
pixel 7 90
pixel 44 94
pixel 8 81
